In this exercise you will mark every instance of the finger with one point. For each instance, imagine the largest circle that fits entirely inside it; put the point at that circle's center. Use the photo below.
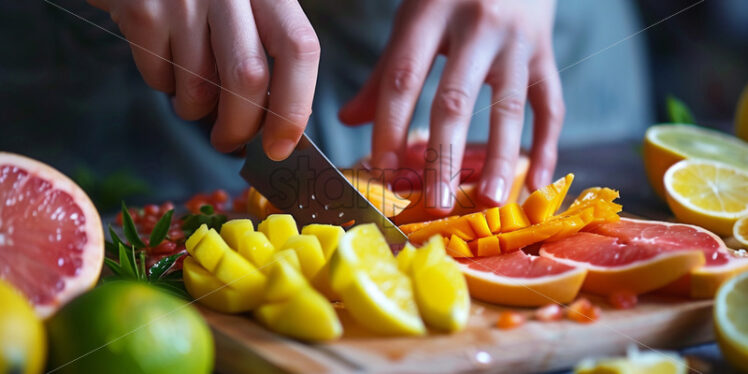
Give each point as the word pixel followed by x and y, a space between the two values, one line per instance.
pixel 142 24
pixel 362 107
pixel 547 101
pixel 413 49
pixel 242 70
pixel 508 81
pixel 195 71
pixel 290 39
pixel 451 110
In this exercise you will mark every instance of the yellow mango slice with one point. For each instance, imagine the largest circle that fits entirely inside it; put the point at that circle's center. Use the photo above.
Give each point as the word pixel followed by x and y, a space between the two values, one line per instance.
pixel 478 223
pixel 513 217
pixel 305 316
pixel 543 202
pixel 196 237
pixel 493 219
pixel 517 239
pixel 328 236
pixel 323 284
pixel 233 231
pixel 488 246
pixel 211 292
pixel 288 255
pixel 309 250
pixel 278 228
pixel 283 281
pixel 238 273
pixel 209 250
pixel 456 247
pixel 256 248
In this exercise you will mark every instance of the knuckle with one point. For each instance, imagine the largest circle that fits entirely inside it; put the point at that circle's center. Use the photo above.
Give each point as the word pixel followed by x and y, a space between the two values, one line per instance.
pixel 200 90
pixel 487 12
pixel 303 43
pixel 403 77
pixel 556 111
pixel 251 73
pixel 453 102
pixel 511 105
pixel 141 13
pixel 297 114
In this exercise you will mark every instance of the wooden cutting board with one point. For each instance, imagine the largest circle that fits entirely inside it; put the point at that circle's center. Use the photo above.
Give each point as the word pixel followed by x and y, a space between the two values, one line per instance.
pixel 657 322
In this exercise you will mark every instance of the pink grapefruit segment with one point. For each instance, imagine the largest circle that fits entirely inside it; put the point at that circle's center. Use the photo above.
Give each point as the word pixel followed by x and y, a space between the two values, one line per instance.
pixel 51 239
pixel 614 265
pixel 721 262
pixel 519 279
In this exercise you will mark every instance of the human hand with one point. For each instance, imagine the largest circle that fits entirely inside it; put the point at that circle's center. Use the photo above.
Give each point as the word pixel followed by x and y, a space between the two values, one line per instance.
pixel 218 50
pixel 504 43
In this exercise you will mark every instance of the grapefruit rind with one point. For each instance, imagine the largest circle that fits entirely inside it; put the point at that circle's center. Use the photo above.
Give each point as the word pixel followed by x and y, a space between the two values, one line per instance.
pixel 523 292
pixel 93 259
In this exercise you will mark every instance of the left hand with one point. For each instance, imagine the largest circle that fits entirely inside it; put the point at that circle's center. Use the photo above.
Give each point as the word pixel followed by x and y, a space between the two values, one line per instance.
pixel 505 43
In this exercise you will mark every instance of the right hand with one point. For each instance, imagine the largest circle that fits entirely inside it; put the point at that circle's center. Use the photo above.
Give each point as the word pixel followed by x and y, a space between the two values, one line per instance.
pixel 190 48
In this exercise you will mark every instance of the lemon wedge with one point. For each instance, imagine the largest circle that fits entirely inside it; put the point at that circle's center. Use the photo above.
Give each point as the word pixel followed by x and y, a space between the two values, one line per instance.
pixel 707 193
pixel 731 320
pixel 377 294
pixel 635 362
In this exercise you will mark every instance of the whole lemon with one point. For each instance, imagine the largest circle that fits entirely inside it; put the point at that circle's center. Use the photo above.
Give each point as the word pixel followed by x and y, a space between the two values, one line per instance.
pixel 129 327
pixel 23 344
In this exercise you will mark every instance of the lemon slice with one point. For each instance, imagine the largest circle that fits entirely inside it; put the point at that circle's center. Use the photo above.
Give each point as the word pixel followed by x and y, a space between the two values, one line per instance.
pixel 740 231
pixel 635 362
pixel 375 292
pixel 665 145
pixel 707 193
pixel 731 320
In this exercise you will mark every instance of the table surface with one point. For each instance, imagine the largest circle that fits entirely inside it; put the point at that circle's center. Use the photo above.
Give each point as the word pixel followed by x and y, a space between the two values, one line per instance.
pixel 620 166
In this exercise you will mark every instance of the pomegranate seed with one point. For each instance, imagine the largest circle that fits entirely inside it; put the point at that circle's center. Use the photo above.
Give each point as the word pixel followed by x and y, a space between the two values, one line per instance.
pixel 167 206
pixel 194 203
pixel 135 214
pixel 164 248
pixel 548 313
pixel 118 219
pixel 623 299
pixel 151 210
pixel 176 234
pixel 219 197
pixel 583 311
pixel 148 223
pixel 509 319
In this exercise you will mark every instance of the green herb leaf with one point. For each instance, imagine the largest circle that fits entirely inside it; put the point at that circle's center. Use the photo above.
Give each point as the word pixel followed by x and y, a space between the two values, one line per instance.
pixel 113 266
pixel 678 111
pixel 141 273
pixel 161 229
pixel 207 209
pixel 128 227
pixel 128 268
pixel 164 264
pixel 175 288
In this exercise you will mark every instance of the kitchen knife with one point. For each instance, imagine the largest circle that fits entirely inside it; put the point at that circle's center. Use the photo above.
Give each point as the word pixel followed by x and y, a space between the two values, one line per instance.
pixel 309 187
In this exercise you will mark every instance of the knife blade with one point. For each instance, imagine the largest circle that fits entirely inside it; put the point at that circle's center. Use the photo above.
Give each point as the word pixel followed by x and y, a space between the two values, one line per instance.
pixel 309 187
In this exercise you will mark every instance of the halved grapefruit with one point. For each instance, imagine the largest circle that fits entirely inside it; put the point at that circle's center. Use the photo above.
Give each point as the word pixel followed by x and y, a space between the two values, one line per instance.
pixel 520 279
pixel 721 262
pixel 51 239
pixel 615 265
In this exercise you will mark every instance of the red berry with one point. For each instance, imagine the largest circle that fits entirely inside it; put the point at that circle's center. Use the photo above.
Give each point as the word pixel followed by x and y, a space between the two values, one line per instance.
pixel 151 210
pixel 167 206
pixel 219 197
pixel 135 214
pixel 164 247
pixel 197 201
pixel 118 219
pixel 148 223
pixel 548 313
pixel 176 234
pixel 623 299
pixel 509 319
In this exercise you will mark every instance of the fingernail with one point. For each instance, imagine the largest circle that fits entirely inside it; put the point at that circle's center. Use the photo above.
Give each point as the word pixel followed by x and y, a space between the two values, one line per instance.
pixel 280 149
pixel 445 196
pixel 495 189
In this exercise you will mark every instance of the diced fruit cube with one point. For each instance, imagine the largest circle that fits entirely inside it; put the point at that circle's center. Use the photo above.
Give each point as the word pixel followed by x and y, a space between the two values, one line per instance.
pixel 478 223
pixel 456 247
pixel 209 250
pixel 196 237
pixel 256 248
pixel 306 316
pixel 309 250
pixel 238 273
pixel 512 217
pixel 278 228
pixel 283 282
pixel 234 231
pixel 323 285
pixel 328 236
pixel 288 255
pixel 510 241
pixel 447 227
pixel 488 246
pixel 543 202
pixel 493 219
pixel 209 291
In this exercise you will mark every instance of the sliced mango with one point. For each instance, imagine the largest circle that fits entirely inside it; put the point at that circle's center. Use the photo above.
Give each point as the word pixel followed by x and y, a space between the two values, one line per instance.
pixel 543 202
pixel 447 227
pixel 328 236
pixel 278 228
pixel 288 255
pixel 514 240
pixel 234 230
pixel 209 250
pixel 209 291
pixel 284 280
pixel 236 272
pixel 478 223
pixel 493 219
pixel 306 316
pixel 513 217
pixel 456 247
pixel 309 250
pixel 488 246
pixel 256 248
pixel 195 238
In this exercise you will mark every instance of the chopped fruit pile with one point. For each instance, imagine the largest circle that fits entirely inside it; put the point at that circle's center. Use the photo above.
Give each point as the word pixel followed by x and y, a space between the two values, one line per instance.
pixel 635 362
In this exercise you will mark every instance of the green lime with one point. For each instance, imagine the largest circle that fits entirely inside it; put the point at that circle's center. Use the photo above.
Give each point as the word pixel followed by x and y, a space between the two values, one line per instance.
pixel 129 327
